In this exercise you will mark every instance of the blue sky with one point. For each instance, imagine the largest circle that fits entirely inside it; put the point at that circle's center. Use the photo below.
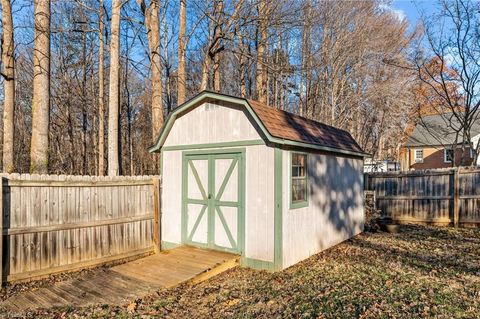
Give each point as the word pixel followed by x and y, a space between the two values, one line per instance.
pixel 413 9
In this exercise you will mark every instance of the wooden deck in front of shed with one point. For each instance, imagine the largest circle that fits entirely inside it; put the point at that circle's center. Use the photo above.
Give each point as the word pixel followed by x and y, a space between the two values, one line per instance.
pixel 128 281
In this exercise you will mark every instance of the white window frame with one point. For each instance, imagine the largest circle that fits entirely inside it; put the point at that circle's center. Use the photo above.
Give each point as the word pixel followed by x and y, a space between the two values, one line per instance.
pixel 415 157
pixel 445 150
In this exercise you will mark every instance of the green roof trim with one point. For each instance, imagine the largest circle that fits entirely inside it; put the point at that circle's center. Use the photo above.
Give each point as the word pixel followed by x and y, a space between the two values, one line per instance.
pixel 240 101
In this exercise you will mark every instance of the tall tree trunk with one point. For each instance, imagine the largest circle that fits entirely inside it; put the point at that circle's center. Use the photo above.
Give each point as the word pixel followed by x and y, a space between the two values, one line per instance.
pixel 305 77
pixel 152 25
pixel 101 95
pixel 128 109
pixel 41 88
pixel 217 86
pixel 216 47
pixel 114 94
pixel 261 75
pixel 84 100
pixel 156 61
pixel 242 67
pixel 8 73
pixel 181 53
pixel 205 72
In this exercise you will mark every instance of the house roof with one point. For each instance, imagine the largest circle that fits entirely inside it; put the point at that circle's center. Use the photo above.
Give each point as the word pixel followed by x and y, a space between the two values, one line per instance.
pixel 438 129
pixel 278 127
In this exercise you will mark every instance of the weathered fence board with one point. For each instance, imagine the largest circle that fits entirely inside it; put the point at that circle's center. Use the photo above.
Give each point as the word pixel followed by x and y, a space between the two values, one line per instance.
pixel 442 197
pixel 58 223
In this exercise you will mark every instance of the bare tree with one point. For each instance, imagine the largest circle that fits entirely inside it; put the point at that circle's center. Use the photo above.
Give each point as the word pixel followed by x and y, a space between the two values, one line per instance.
pixel 261 74
pixel 328 60
pixel 39 151
pixel 8 74
pixel 114 94
pixel 454 46
pixel 220 31
pixel 181 53
pixel 152 25
pixel 101 92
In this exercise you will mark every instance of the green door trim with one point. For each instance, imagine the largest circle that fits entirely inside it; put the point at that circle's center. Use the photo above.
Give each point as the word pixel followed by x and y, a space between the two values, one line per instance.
pixel 197 179
pixel 197 222
pixel 185 235
pixel 278 211
pixel 213 204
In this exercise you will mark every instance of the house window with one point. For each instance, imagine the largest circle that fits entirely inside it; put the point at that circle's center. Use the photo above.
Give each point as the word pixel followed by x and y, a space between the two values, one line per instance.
pixel 419 156
pixel 447 155
pixel 299 180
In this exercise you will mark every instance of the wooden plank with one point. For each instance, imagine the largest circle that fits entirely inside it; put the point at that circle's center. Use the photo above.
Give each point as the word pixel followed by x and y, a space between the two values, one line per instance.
pixel 51 183
pixel 77 266
pixel 39 229
pixel 156 215
pixel 456 200
pixel 413 197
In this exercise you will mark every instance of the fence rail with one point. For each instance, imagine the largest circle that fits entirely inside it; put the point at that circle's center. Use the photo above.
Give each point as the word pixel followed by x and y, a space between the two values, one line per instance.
pixel 54 223
pixel 449 197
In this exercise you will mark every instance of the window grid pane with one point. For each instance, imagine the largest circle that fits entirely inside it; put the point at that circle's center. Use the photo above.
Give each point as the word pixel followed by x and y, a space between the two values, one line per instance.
pixel 298 180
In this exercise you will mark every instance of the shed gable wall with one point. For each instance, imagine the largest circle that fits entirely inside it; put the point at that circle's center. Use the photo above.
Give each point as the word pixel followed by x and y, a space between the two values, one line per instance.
pixel 212 123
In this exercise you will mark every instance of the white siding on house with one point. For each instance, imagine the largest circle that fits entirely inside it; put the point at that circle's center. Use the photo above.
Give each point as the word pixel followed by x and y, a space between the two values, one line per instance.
pixel 335 211
pixel 212 124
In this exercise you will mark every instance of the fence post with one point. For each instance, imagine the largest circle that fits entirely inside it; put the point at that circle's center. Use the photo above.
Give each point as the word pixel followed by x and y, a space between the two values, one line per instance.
pixel 2 252
pixel 456 198
pixel 156 214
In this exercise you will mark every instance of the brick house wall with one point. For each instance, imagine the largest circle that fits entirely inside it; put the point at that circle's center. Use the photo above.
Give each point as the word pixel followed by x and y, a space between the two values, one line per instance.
pixel 433 157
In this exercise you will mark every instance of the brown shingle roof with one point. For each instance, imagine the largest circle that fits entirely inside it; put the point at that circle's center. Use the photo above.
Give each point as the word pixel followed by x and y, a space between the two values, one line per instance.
pixel 293 127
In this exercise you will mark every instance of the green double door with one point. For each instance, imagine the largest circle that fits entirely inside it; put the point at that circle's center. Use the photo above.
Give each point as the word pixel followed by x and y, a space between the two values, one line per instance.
pixel 212 194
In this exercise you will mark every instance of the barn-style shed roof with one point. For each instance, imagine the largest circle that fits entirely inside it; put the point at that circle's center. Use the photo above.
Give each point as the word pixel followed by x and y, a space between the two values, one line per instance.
pixel 278 127
pixel 293 127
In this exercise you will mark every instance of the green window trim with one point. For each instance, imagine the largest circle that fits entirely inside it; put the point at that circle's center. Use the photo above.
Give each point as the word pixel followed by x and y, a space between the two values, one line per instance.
pixel 304 202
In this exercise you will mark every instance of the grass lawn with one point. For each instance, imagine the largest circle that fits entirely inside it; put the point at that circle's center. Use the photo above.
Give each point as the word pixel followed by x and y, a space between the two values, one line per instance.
pixel 421 272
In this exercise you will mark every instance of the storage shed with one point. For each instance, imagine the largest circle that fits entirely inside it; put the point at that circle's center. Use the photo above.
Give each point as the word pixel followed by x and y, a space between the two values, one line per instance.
pixel 271 186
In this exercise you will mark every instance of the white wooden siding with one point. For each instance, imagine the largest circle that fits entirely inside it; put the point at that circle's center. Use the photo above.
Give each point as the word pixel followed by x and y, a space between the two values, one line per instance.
pixel 212 123
pixel 335 211
pixel 171 196
pixel 260 205
pixel 215 125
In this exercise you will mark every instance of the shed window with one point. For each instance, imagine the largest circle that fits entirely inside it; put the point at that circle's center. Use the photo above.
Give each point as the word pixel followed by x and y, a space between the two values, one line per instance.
pixel 299 182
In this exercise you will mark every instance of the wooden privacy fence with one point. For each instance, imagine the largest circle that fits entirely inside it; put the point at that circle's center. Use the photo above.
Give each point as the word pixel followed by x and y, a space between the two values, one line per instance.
pixel 60 223
pixel 439 197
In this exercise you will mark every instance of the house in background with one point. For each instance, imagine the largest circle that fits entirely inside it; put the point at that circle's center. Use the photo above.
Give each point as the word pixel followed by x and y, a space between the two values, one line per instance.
pixel 429 145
